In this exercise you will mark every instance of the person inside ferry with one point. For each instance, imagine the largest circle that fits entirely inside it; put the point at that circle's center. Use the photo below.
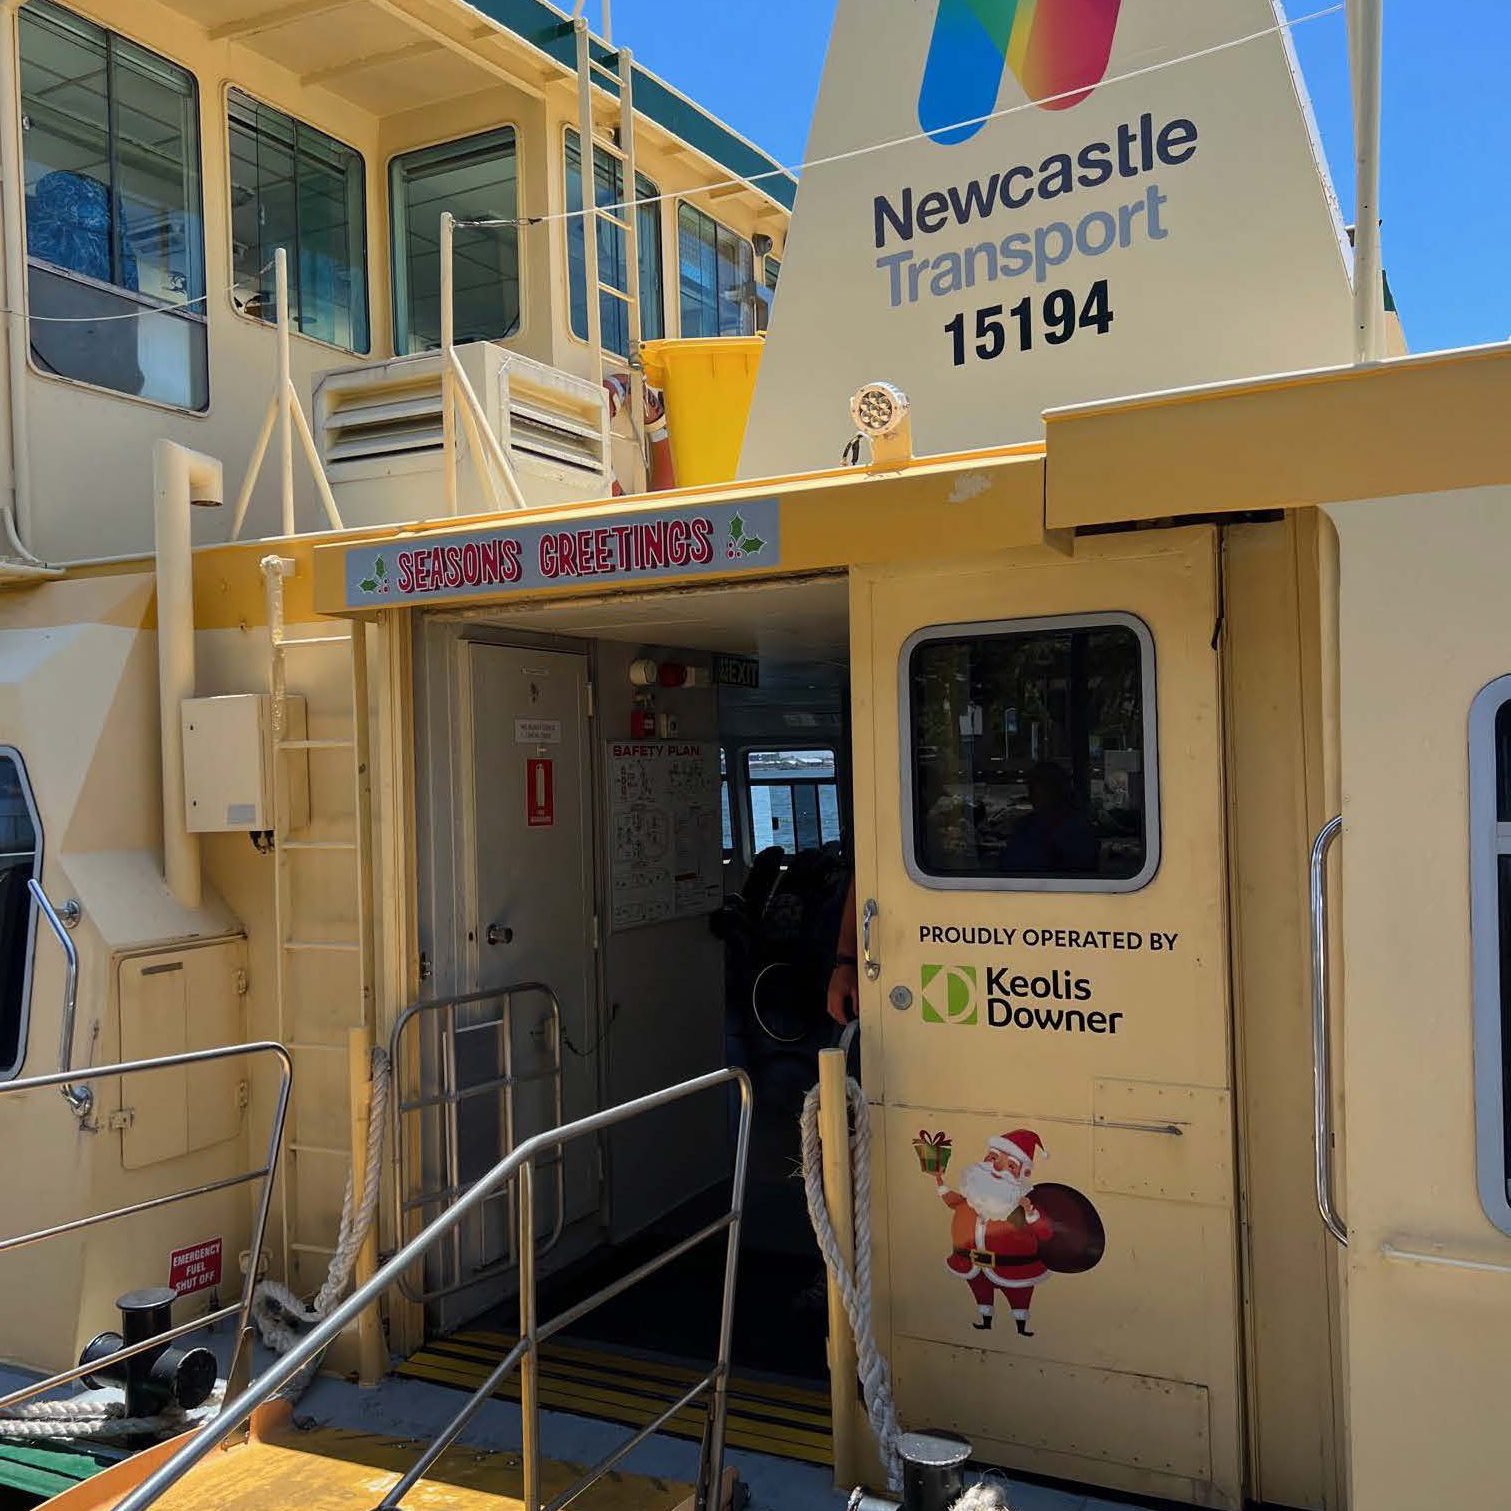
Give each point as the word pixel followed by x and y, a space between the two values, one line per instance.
pixel 843 998
pixel 1054 838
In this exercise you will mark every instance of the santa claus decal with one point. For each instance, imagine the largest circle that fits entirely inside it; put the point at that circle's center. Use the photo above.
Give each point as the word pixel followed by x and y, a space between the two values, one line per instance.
pixel 1010 1235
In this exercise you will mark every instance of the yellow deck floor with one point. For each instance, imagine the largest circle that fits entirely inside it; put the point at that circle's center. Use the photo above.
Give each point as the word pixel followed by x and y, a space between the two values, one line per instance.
pixel 332 1469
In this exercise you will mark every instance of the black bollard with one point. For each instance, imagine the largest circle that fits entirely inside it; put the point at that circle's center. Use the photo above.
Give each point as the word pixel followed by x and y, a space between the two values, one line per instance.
pixel 157 1377
pixel 933 1470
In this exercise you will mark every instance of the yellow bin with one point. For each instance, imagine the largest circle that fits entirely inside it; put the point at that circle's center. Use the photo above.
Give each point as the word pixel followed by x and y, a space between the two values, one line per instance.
pixel 708 384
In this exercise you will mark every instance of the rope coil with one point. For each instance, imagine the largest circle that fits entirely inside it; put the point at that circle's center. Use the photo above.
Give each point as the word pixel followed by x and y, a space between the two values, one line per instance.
pixel 854 1285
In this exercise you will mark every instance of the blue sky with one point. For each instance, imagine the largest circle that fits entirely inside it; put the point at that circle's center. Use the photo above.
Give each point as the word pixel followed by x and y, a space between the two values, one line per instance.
pixel 1444 199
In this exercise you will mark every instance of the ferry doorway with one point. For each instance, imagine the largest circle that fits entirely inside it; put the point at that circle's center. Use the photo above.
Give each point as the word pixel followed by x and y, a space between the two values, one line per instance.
pixel 544 727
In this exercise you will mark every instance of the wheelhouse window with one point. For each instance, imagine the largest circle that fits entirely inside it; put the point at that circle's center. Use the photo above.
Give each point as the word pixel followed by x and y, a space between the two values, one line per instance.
pixel 716 271
pixel 297 188
pixel 794 799
pixel 1490 914
pixel 20 836
pixel 114 233
pixel 476 179
pixel 1030 755
pixel 613 262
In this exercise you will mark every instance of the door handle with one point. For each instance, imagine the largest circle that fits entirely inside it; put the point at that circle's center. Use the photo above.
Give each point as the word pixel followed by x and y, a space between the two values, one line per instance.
pixel 1322 1077
pixel 498 933
pixel 867 918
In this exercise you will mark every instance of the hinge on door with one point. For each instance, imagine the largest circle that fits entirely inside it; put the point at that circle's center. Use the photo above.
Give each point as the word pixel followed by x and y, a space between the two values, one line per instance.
pixel 241 983
pixel 592 701
pixel 243 1094
pixel 425 967
pixel 597 941
pixel 119 1122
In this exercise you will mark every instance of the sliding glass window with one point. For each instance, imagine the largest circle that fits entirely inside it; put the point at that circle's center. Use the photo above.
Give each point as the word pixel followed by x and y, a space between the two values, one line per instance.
pixel 476 179
pixel 717 275
pixel 297 188
pixel 613 264
pixel 114 228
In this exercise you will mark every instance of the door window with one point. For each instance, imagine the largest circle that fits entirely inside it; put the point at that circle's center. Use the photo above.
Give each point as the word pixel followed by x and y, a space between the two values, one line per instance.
pixel 1490 902
pixel 297 188
pixel 1030 759
pixel 717 273
pixel 476 179
pixel 20 839
pixel 114 239
pixel 794 799
pixel 608 183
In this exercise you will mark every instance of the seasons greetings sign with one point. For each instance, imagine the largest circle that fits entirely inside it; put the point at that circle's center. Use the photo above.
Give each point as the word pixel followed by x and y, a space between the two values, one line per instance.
pixel 1020 204
pixel 674 543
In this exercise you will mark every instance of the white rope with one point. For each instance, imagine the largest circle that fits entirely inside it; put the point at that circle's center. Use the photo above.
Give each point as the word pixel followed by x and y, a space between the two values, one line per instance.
pixel 280 1317
pixel 854 1285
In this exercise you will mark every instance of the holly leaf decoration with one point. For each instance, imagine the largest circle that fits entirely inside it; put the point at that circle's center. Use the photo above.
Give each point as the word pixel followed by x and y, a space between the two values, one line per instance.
pixel 381 568
pixel 751 544
pixel 369 584
pixel 737 529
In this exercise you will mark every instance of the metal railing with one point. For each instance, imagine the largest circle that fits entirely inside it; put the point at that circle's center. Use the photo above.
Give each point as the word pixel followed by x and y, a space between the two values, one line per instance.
pixel 520 1166
pixel 79 1098
pixel 242 1309
pixel 445 1104
pixel 1322 1036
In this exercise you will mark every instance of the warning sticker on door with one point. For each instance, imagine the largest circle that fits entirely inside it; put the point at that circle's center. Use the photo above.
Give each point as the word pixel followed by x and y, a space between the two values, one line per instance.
pixel 540 794
pixel 196 1268
pixel 537 731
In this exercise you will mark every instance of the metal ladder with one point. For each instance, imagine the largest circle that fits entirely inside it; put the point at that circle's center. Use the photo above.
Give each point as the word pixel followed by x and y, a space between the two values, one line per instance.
pixel 315 1017
pixel 617 83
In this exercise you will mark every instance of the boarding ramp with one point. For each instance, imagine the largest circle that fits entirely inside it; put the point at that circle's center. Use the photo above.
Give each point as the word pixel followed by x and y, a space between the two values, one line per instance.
pixel 250 1458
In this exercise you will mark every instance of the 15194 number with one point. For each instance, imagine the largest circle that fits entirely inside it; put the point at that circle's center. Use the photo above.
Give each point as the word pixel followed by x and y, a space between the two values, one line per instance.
pixel 1056 319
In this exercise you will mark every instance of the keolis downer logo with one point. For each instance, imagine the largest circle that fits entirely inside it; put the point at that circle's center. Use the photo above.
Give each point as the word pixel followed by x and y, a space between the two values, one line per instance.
pixel 1058 50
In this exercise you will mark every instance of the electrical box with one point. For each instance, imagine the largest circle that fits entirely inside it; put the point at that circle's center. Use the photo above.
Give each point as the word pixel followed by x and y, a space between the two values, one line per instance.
pixel 228 764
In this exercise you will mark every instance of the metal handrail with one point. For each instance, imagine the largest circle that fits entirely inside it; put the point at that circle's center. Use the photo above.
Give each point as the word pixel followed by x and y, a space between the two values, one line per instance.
pixel 449 1098
pixel 241 1310
pixel 1322 1076
pixel 518 1165
pixel 79 1098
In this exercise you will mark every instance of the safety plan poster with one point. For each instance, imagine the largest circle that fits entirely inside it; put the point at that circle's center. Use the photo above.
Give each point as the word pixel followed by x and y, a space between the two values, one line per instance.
pixel 665 851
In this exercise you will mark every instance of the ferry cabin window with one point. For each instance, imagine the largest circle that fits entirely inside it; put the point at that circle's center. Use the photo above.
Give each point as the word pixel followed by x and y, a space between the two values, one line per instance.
pixel 296 188
pixel 794 799
pixel 613 312
pixel 1030 761
pixel 476 179
pixel 1490 936
pixel 771 271
pixel 717 275
pixel 18 864
pixel 110 137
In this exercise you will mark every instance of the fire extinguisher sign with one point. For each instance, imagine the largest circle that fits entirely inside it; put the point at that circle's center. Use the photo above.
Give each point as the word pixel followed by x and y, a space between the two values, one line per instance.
pixel 540 794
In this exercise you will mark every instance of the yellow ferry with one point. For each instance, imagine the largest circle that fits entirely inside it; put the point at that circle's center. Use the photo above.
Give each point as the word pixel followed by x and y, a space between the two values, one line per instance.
pixel 487 687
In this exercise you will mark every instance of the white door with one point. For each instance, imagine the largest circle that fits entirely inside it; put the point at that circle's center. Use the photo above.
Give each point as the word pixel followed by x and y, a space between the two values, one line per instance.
pixel 531 920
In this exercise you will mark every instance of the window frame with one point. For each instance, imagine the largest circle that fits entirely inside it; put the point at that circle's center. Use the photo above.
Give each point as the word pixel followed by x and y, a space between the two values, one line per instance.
pixel 745 812
pixel 397 265
pixel 23 1026
pixel 1486 842
pixel 198 312
pixel 568 131
pixel 683 200
pixel 1149 689
pixel 228 87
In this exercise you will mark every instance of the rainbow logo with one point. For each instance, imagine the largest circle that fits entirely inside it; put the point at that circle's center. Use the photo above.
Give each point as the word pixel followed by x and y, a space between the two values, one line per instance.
pixel 1058 51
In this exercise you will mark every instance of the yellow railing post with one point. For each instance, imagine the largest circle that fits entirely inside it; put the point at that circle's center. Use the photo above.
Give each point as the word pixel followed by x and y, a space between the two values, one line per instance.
pixel 839 1195
pixel 371 1353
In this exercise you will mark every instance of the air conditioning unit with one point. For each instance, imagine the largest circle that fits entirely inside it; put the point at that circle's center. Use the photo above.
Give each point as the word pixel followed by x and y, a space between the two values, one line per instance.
pixel 380 434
